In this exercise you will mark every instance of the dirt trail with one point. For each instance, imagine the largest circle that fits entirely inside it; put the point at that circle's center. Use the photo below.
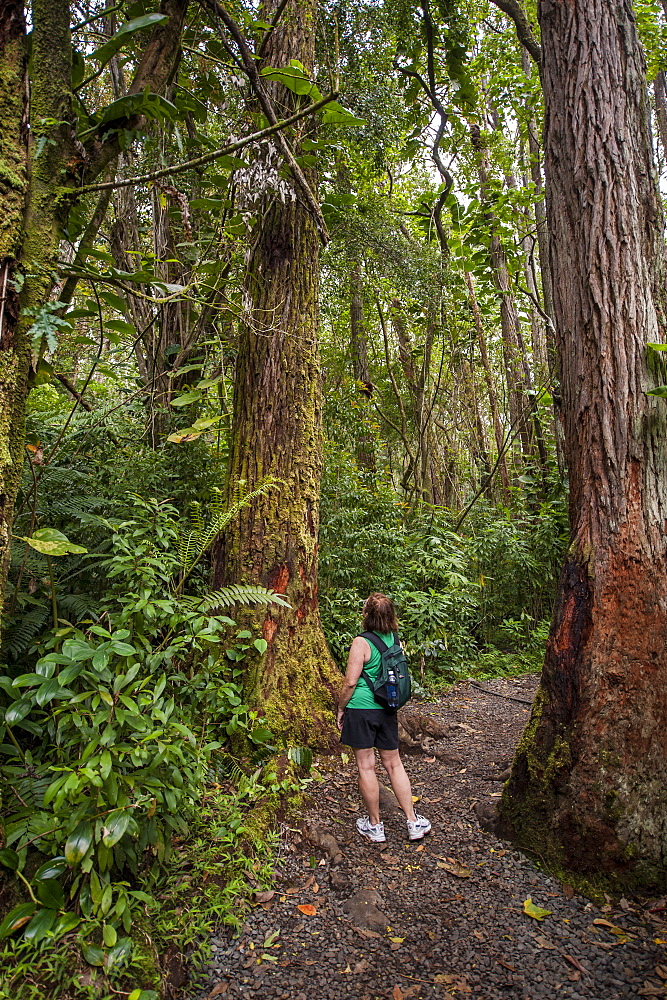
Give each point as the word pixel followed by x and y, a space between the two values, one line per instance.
pixel 443 916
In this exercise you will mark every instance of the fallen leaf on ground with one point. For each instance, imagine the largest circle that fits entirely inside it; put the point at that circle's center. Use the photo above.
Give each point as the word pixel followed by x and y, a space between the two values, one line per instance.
pixel 430 760
pixel 309 881
pixel 308 909
pixel 397 993
pixel 218 990
pixel 536 912
pixel 661 970
pixel 365 933
pixel 455 867
pixel 574 977
pixel 568 891
pixel 505 964
pixel 420 848
pixel 360 967
pixel 264 897
pixel 315 887
pixel 650 989
pixel 599 922
pixel 416 798
pixel 444 977
pixel 397 940
pixel 575 963
pixel 544 942
pixel 390 859
pixel 292 890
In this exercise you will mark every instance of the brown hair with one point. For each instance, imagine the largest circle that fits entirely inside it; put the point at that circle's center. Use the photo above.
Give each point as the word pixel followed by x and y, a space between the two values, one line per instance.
pixel 379 614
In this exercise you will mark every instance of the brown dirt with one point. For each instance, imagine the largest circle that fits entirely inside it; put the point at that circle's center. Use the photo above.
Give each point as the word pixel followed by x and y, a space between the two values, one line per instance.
pixel 453 902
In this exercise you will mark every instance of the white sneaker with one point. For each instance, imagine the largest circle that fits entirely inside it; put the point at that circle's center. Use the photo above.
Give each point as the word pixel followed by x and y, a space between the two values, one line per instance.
pixel 374 833
pixel 418 828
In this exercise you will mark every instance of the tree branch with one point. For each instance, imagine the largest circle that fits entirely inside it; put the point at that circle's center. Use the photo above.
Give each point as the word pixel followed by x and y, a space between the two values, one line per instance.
pixel 524 29
pixel 252 72
pixel 215 154
pixel 153 73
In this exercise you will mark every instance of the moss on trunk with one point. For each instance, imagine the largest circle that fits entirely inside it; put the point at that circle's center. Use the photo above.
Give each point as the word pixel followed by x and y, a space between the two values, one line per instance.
pixel 277 430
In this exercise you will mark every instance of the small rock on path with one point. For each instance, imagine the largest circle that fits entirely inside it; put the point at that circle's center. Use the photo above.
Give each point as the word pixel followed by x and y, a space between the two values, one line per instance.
pixel 434 933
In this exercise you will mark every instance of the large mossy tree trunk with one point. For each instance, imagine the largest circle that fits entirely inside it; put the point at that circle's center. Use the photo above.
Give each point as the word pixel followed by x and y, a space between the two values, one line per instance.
pixel 277 431
pixel 588 788
pixel 40 166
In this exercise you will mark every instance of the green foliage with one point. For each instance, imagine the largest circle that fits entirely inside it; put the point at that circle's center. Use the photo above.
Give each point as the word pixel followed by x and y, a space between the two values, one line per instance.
pixel 109 733
pixel 458 595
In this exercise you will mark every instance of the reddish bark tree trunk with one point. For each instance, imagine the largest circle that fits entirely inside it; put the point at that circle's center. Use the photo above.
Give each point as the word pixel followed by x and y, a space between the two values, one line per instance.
pixel 588 784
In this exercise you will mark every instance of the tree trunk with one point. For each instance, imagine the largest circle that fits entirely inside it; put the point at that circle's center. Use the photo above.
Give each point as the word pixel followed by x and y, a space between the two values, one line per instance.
pixel 277 431
pixel 587 789
pixel 37 157
pixel 365 449
pixel 518 405
pixel 490 388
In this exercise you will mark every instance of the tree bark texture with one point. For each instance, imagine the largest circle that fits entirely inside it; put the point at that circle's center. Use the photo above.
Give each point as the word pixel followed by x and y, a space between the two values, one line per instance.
pixel 589 782
pixel 276 431
pixel 14 356
pixel 38 158
pixel 365 450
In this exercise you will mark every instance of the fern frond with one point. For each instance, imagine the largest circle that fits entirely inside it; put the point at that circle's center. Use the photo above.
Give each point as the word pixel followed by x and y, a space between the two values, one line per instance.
pixel 241 594
pixel 22 629
pixel 200 537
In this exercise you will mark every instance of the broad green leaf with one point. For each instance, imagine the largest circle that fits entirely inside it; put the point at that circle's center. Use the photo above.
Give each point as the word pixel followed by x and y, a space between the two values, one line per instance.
pixel 65 923
pixel 261 645
pixel 9 859
pixel 187 399
pixel 78 649
pixel 40 925
pixel 78 843
pixel 120 953
pixel 48 691
pixel 105 52
pixel 51 542
pixel 51 894
pixel 51 869
pixel 92 954
pixel 536 912
pixel 335 114
pixel 657 347
pixel 18 711
pixel 115 826
pixel 109 935
pixel 661 390
pixel 16 918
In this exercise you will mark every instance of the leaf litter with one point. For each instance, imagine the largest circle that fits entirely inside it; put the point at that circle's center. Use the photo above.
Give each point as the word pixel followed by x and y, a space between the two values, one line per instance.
pixel 310 956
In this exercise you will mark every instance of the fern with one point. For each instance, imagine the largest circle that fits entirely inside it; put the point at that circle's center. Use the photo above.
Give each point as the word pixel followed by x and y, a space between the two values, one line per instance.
pixel 194 543
pixel 243 594
pixel 22 629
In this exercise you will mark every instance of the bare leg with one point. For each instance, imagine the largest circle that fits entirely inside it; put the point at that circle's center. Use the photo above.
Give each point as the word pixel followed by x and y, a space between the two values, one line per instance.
pixel 399 781
pixel 368 783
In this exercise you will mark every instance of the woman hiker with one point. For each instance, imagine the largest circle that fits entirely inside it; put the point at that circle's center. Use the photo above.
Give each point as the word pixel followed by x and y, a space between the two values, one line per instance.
pixel 365 725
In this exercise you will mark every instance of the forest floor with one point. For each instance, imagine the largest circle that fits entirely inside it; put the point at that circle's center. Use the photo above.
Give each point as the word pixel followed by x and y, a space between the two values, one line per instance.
pixel 439 917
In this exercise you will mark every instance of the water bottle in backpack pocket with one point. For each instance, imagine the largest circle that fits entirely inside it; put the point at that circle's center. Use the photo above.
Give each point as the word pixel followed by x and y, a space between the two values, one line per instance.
pixel 392 687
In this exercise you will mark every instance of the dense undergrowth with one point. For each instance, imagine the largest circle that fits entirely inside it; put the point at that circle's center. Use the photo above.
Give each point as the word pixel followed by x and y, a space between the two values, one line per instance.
pixel 471 602
pixel 138 788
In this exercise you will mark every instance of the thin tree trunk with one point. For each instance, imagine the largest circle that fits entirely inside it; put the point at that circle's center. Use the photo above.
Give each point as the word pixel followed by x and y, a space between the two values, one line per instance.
pixel 509 319
pixel 587 789
pixel 277 431
pixel 359 350
pixel 490 388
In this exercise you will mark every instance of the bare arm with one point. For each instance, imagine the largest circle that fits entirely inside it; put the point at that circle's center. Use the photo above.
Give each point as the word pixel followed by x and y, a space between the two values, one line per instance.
pixel 360 654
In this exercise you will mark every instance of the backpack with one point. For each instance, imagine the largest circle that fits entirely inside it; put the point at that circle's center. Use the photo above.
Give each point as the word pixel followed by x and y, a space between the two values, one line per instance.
pixel 392 661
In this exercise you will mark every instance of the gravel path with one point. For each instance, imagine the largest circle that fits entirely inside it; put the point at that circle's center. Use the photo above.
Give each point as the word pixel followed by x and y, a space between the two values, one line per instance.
pixel 441 917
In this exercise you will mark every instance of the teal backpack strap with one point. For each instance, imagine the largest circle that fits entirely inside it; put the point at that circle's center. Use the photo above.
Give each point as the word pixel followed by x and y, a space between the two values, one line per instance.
pixel 381 647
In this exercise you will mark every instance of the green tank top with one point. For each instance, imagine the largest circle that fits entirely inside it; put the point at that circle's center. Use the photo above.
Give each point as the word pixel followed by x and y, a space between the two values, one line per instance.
pixel 362 696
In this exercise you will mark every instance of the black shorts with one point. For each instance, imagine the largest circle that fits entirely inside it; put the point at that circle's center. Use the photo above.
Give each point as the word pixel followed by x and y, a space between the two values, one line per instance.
pixel 364 728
